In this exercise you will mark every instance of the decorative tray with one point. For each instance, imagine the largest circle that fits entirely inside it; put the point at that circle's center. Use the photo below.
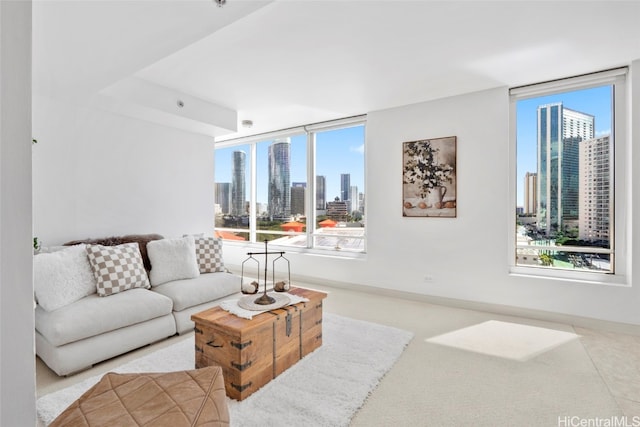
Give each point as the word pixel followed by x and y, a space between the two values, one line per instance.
pixel 247 302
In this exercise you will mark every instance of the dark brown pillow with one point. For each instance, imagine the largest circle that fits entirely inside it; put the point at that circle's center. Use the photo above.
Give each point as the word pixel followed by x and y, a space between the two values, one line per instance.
pixel 140 239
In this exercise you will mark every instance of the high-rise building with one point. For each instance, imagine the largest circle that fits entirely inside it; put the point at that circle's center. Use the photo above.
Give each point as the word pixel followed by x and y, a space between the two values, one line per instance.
pixel 595 189
pixel 321 192
pixel 560 131
pixel 298 198
pixel 337 210
pixel 223 196
pixel 530 193
pixel 238 184
pixel 261 208
pixel 345 186
pixel 353 198
pixel 279 179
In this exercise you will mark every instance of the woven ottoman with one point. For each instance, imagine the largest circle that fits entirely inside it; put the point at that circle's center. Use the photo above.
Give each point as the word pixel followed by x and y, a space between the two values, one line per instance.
pixel 172 399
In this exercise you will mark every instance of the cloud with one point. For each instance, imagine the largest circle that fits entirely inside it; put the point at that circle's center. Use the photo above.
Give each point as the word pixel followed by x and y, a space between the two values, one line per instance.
pixel 358 149
pixel 600 133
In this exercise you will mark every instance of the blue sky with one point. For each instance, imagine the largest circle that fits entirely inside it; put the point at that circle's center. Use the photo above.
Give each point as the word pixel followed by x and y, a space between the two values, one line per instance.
pixel 337 152
pixel 596 101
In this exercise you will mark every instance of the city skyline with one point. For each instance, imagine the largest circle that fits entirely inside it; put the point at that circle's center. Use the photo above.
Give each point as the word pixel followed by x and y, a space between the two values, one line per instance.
pixel 593 101
pixel 564 163
pixel 338 152
pixel 224 198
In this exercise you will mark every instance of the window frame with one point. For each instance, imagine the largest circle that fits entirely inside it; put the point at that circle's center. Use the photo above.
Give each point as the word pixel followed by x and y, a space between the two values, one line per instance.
pixel 620 146
pixel 310 130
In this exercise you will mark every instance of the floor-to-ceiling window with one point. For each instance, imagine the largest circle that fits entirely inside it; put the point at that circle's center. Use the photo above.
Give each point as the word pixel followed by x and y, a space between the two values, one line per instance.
pixel 301 187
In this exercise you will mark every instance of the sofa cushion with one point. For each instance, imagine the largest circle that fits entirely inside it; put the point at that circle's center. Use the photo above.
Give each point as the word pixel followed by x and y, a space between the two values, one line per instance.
pixel 62 277
pixel 140 239
pixel 93 315
pixel 172 259
pixel 117 268
pixel 209 254
pixel 204 288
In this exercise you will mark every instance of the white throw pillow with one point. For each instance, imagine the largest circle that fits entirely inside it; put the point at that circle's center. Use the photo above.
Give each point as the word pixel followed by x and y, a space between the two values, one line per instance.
pixel 62 277
pixel 172 259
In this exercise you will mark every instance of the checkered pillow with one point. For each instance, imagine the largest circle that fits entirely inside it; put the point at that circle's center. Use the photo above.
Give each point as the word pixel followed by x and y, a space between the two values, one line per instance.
pixel 117 268
pixel 209 254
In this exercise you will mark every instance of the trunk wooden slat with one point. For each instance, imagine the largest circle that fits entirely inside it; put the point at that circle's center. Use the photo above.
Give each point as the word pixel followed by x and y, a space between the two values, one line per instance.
pixel 253 352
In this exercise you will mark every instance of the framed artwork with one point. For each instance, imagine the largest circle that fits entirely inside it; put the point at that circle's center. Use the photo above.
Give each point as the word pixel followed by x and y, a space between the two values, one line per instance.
pixel 429 178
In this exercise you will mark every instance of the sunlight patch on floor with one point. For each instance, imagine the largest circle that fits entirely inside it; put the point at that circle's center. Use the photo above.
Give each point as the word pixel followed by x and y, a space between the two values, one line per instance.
pixel 503 339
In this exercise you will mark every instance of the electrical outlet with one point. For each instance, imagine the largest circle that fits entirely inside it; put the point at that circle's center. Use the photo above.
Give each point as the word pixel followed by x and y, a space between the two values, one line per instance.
pixel 428 278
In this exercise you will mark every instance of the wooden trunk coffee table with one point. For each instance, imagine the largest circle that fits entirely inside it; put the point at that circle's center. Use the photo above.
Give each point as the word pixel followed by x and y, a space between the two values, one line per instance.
pixel 253 352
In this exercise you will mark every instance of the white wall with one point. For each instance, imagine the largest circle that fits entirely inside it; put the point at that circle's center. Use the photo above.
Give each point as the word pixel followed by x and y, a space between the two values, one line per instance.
pixel 17 355
pixel 97 174
pixel 465 256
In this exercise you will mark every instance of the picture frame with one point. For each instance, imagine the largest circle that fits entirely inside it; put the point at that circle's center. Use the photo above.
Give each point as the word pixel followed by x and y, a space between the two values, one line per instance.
pixel 429 178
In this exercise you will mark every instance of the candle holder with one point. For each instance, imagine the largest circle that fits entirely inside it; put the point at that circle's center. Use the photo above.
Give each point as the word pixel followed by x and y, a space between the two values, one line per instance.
pixel 253 287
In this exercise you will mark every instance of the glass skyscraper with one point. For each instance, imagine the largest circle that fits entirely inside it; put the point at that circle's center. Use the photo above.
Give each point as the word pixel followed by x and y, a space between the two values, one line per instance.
pixel 238 184
pixel 298 197
pixel 321 192
pixel 279 179
pixel 560 131
pixel 223 196
pixel 345 186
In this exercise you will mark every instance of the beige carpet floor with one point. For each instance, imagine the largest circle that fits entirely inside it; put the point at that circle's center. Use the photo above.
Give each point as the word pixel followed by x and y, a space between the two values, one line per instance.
pixel 596 375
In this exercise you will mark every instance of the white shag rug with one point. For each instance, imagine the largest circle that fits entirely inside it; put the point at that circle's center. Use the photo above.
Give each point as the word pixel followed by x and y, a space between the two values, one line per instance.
pixel 325 388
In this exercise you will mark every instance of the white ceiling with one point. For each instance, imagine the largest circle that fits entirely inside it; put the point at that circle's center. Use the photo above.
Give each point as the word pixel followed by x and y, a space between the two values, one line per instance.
pixel 290 62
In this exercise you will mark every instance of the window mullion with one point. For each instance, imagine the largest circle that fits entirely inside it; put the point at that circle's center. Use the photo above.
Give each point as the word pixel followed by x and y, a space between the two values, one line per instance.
pixel 619 158
pixel 253 202
pixel 311 193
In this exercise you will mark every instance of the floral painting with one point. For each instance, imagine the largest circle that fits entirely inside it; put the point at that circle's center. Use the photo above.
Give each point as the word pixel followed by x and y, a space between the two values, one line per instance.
pixel 429 178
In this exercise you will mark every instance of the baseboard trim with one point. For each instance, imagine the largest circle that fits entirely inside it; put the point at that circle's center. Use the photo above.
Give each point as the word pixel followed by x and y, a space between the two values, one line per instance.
pixel 584 322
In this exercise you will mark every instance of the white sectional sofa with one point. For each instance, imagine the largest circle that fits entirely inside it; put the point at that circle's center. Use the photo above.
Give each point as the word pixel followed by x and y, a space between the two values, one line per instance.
pixel 81 318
